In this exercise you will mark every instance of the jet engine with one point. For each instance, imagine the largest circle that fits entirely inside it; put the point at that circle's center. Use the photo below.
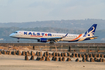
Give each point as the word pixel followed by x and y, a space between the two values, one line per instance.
pixel 42 40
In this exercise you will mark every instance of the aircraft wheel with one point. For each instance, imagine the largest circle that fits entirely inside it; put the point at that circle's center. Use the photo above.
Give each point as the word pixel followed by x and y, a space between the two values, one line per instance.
pixel 18 40
pixel 51 42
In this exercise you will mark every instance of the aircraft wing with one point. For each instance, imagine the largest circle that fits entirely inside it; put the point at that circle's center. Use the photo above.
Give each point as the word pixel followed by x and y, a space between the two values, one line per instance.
pixel 56 38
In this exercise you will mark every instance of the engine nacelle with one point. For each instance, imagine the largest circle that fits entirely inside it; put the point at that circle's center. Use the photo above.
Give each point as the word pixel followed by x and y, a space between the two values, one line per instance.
pixel 42 40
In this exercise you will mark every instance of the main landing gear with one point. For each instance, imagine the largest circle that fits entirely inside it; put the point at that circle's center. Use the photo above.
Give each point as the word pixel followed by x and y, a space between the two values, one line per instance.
pixel 51 42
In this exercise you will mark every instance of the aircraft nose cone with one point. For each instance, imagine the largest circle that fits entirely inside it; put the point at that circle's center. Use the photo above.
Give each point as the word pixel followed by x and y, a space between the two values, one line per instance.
pixel 11 35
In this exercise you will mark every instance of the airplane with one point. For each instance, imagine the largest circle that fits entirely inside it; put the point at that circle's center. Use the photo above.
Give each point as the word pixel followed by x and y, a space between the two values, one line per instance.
pixel 55 37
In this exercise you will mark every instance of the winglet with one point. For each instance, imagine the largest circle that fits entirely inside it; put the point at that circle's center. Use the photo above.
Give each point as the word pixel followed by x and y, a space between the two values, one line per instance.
pixel 64 36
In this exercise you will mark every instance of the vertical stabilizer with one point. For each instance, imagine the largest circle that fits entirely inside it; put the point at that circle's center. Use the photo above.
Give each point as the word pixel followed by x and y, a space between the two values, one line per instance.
pixel 90 32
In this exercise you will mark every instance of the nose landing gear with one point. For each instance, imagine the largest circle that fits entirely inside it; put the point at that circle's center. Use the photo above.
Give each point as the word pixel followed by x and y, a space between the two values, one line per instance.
pixel 18 40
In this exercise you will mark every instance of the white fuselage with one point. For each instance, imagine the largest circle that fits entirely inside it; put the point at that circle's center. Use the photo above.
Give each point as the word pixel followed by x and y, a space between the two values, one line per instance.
pixel 38 35
pixel 54 37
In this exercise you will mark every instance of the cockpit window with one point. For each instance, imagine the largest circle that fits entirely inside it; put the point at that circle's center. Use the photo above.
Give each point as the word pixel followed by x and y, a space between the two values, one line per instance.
pixel 15 32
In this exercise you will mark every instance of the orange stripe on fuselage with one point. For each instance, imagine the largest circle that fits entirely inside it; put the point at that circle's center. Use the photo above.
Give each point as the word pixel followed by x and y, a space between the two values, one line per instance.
pixel 35 36
pixel 77 37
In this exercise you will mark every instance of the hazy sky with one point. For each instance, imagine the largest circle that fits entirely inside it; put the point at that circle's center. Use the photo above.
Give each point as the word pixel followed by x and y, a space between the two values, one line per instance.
pixel 43 10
